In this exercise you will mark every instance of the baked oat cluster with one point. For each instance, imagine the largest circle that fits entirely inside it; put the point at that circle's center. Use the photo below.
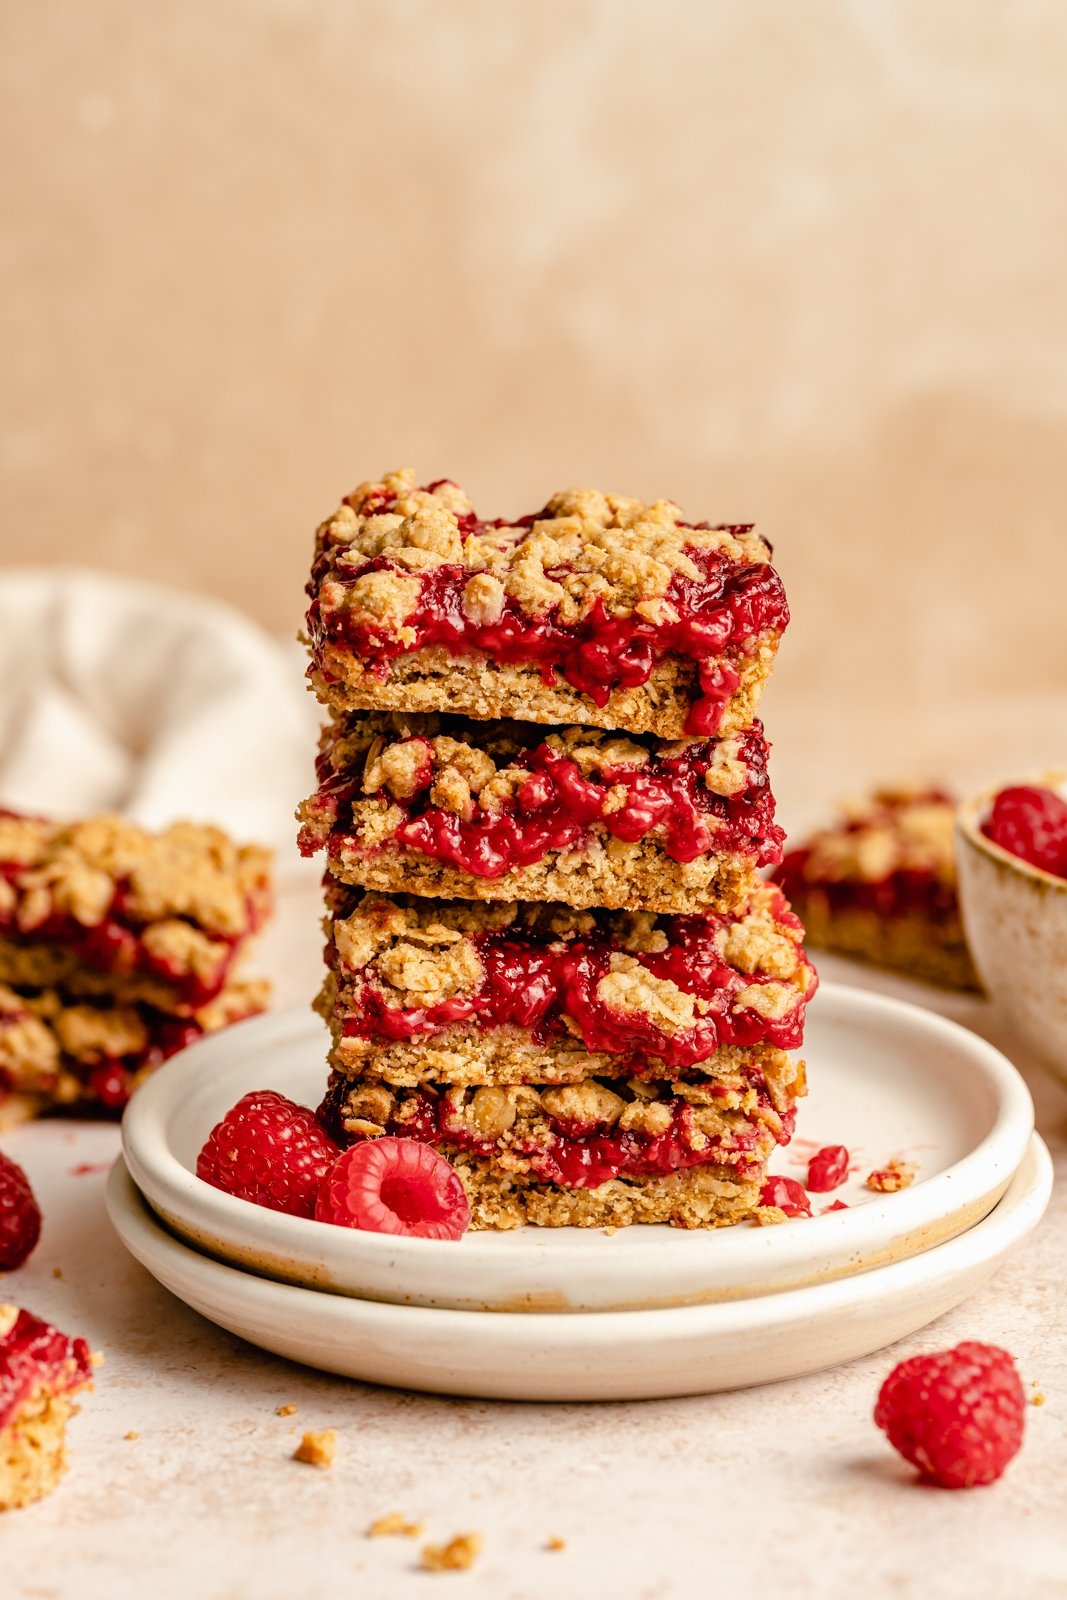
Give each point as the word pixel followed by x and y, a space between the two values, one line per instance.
pixel 544 805
pixel 41 1370
pixel 117 948
pixel 880 884
pixel 597 610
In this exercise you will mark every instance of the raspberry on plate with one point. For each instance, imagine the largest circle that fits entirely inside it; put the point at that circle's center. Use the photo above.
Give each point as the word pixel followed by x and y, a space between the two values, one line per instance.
pixel 1031 823
pixel 392 1185
pixel 787 1195
pixel 269 1150
pixel 827 1169
pixel 957 1415
pixel 20 1215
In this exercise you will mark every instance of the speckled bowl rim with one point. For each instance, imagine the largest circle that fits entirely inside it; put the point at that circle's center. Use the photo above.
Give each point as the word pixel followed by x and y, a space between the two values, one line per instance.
pixel 968 827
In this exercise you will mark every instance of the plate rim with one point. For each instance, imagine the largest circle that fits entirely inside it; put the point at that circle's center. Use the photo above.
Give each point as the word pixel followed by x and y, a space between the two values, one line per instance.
pixel 188 1203
pixel 583 1336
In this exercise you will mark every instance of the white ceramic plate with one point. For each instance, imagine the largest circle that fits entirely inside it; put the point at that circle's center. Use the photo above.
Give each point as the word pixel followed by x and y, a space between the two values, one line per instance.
pixel 607 1355
pixel 886 1079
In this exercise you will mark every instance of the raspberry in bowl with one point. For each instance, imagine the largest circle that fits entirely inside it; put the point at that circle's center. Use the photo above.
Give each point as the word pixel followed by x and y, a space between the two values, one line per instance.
pixel 1012 855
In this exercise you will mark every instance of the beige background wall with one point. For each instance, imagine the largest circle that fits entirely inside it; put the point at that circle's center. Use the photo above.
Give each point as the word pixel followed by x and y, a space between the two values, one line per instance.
pixel 795 261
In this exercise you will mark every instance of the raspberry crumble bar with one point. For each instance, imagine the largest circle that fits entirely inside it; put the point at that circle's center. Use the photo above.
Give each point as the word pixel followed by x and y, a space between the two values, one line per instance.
pixel 101 907
pixel 463 993
pixel 598 609
pixel 509 810
pixel 61 1051
pixel 40 1371
pixel 880 884
pixel 587 1154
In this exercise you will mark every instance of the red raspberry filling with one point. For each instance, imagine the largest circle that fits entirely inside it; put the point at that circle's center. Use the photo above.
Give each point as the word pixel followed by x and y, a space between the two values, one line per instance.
pixel 723 614
pixel 579 1155
pixel 1031 823
pixel 395 1186
pixel 549 987
pixel 827 1169
pixel 558 809
pixel 20 1216
pixel 958 1415
pixel 35 1356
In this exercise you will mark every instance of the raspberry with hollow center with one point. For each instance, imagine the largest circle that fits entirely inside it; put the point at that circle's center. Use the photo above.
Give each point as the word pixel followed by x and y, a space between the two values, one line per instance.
pixel 269 1150
pixel 1031 823
pixel 20 1215
pixel 389 1185
pixel 956 1415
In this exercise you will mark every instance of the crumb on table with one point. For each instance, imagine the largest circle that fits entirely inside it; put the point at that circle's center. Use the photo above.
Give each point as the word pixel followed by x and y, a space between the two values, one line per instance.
pixel 555 1544
pixel 288 1410
pixel 317 1448
pixel 394 1525
pixel 895 1175
pixel 455 1556
pixel 133 1434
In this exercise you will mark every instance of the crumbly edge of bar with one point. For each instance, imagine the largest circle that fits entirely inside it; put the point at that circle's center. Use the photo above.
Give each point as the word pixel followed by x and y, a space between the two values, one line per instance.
pixel 53 966
pixel 887 832
pixel 613 874
pixel 520 1119
pixel 610 549
pixel 472 685
pixel 189 870
pixel 419 953
pixel 467 1054
pixel 51 1031
pixel 698 1197
pixel 920 947
pixel 33 1450
pixel 395 753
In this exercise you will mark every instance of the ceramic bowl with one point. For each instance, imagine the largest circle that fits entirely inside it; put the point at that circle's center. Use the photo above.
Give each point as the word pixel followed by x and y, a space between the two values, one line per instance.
pixel 1015 918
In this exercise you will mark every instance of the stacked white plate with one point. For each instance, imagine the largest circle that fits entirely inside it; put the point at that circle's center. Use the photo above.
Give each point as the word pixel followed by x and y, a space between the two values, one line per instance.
pixel 569 1314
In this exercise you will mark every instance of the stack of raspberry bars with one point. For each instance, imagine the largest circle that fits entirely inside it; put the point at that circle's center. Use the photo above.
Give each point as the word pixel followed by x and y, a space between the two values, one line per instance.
pixel 117 948
pixel 544 803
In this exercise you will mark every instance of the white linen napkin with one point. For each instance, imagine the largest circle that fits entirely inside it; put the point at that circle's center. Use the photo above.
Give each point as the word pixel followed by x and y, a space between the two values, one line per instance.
pixel 126 696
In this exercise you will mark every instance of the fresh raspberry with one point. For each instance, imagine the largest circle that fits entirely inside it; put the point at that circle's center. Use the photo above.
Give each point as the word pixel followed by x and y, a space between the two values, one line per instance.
pixel 788 1195
pixel 269 1150
pixel 957 1415
pixel 20 1215
pixel 1032 824
pixel 827 1169
pixel 391 1185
